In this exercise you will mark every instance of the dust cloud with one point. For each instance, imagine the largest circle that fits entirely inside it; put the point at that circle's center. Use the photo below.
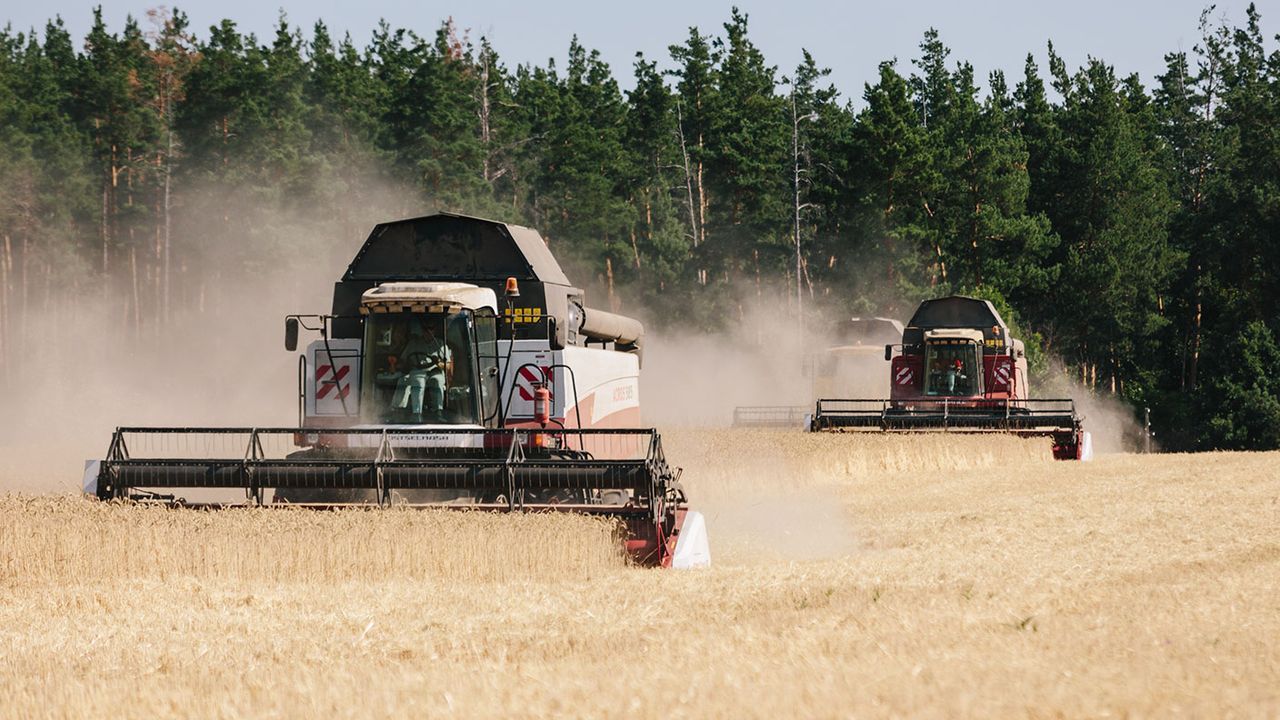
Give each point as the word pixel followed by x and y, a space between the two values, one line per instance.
pixel 697 379
pixel 86 368
pixel 765 492
pixel 1110 422
pixel 1113 424
pixel 759 490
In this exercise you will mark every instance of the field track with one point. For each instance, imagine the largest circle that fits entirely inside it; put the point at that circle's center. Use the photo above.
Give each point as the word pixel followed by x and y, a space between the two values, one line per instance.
pixel 855 577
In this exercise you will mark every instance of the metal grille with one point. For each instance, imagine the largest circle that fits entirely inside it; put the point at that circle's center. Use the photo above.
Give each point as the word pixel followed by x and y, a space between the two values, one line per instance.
pixel 1028 417
pixel 767 416
pixel 515 468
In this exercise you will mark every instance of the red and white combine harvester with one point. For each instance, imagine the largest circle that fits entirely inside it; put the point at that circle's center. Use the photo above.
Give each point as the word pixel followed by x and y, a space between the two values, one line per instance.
pixel 458 368
pixel 958 370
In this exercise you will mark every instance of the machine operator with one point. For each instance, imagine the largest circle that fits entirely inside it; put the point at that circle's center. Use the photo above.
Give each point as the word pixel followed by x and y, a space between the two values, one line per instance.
pixel 955 375
pixel 420 390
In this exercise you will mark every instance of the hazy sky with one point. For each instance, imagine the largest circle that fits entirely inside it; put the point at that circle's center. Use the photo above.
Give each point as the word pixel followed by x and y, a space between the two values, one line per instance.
pixel 850 38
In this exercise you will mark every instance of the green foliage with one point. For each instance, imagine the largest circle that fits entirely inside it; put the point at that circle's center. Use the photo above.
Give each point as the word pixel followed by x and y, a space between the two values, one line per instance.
pixel 1241 397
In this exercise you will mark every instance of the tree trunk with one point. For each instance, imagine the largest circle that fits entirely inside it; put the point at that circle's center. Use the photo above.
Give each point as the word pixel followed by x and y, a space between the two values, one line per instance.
pixel 608 271
pixel 6 266
pixel 166 274
pixel 156 277
pixel 1196 321
pixel 105 232
pixel 635 247
pixel 484 115
pixel 25 312
pixel 133 272
pixel 755 254
pixel 688 179
pixel 702 201
pixel 1113 370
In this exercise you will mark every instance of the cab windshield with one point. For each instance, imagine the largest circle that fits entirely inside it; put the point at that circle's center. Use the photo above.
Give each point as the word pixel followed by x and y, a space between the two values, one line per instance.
pixel 952 369
pixel 418 369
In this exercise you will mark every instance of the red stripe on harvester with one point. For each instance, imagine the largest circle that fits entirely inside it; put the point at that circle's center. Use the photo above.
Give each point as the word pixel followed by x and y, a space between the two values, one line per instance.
pixel 328 385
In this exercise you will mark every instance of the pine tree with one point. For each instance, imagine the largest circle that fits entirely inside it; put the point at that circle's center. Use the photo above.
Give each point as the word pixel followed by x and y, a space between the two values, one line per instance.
pixel 750 188
pixel 1234 249
pixel 660 241
pixel 824 135
pixel 981 212
pixel 1113 214
pixel 1036 123
pixel 582 184
pixel 114 89
pixel 892 179
pixel 437 129
pixel 696 104
pixel 171 57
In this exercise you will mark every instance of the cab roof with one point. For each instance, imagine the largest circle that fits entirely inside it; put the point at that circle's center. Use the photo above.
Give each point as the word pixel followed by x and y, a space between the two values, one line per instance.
pixel 421 296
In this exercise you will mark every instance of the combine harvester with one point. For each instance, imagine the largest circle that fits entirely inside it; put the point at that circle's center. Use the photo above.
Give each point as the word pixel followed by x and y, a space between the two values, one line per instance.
pixel 425 389
pixel 851 361
pixel 959 371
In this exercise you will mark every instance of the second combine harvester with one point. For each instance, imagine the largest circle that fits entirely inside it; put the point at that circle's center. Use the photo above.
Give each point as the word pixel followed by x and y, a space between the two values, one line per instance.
pixel 460 368
pixel 958 370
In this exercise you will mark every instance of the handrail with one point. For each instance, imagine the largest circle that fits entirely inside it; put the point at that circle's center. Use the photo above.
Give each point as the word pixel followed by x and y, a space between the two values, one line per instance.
pixel 433 430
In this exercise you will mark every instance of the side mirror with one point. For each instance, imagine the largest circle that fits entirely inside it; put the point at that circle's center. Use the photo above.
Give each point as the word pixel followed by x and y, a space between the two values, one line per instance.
pixel 888 353
pixel 291 334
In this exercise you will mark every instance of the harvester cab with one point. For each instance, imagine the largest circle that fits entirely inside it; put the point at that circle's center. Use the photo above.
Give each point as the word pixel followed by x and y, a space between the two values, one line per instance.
pixel 458 368
pixel 952 359
pixel 427 355
pixel 958 370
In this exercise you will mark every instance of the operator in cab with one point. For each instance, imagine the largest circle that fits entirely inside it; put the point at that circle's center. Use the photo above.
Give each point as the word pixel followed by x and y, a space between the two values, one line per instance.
pixel 420 390
pixel 955 374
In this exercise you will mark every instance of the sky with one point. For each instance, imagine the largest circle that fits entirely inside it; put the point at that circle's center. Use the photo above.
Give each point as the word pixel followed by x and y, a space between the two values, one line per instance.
pixel 850 38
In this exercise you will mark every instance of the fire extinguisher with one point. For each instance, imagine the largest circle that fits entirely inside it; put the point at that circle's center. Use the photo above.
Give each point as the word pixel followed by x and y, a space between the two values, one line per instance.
pixel 542 405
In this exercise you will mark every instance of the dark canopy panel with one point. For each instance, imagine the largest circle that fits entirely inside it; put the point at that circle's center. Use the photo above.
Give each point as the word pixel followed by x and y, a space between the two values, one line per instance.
pixel 457 248
pixel 440 247
pixel 956 312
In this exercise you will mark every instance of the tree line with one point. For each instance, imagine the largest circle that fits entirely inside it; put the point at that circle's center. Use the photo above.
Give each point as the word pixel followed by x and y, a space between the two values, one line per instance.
pixel 1131 232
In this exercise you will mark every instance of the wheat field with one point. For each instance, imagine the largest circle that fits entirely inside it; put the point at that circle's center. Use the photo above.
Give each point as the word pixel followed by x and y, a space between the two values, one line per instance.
pixel 855 576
